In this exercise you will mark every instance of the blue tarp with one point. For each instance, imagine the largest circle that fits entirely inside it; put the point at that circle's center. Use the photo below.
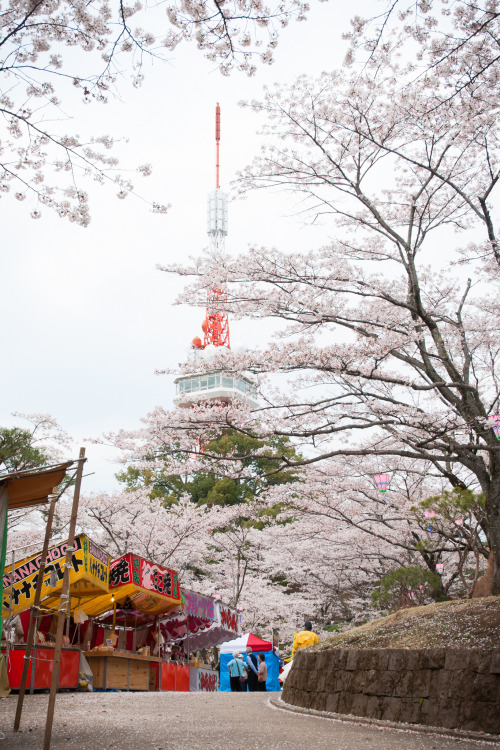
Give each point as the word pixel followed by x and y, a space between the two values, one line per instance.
pixel 272 663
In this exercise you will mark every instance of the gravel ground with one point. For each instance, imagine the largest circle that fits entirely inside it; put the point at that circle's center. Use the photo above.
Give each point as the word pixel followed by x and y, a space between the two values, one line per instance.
pixel 197 721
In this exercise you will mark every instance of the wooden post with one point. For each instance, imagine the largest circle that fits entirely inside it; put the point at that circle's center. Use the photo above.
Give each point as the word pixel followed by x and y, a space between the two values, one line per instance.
pixel 88 635
pixel 67 617
pixel 34 610
pixel 4 504
pixel 10 640
pixel 65 598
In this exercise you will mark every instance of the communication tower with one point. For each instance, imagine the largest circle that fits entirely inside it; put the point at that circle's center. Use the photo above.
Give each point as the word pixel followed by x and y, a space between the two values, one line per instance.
pixel 217 384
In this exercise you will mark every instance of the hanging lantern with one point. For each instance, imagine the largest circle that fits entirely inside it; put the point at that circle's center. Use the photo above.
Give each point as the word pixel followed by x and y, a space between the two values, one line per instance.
pixel 429 516
pixel 382 481
pixel 440 569
pixel 494 421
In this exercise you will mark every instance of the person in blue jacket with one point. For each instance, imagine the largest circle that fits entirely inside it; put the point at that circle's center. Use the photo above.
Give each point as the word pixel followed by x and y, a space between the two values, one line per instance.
pixel 236 671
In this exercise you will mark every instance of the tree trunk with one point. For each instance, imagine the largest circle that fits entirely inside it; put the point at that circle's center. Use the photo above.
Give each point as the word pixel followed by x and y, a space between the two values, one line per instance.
pixel 484 585
pixel 493 520
pixel 494 539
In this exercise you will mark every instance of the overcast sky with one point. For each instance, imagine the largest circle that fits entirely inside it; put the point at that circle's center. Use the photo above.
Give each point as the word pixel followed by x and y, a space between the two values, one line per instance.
pixel 87 317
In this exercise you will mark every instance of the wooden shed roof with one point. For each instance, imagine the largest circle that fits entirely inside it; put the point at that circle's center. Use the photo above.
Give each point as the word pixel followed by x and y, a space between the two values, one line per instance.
pixel 27 488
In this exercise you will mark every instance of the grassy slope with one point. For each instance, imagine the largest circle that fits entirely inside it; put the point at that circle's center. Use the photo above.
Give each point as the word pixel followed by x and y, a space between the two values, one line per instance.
pixel 471 623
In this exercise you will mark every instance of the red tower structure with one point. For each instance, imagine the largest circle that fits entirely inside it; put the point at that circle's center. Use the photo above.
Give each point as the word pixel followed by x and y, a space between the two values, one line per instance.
pixel 216 324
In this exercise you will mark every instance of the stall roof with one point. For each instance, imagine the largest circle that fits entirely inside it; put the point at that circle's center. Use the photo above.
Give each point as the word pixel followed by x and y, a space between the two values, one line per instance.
pixel 27 488
pixel 89 576
pixel 138 584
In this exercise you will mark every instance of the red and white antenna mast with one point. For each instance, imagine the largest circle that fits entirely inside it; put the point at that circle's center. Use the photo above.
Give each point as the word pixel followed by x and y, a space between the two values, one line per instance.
pixel 216 324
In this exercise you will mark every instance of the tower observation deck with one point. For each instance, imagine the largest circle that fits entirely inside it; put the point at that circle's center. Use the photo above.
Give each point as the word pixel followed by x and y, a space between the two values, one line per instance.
pixel 214 384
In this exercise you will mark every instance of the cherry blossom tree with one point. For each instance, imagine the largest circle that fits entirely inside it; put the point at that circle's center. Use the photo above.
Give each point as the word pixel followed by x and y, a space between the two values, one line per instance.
pixel 339 504
pixel 133 522
pixel 387 358
pixel 210 547
pixel 455 45
pixel 389 342
pixel 36 441
pixel 50 49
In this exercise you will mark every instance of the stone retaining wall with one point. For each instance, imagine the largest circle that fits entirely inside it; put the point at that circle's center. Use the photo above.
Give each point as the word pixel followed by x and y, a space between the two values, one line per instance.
pixel 453 688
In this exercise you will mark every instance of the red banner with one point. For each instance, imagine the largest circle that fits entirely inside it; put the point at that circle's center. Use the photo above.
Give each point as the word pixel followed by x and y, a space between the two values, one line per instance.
pixel 131 569
pixel 229 618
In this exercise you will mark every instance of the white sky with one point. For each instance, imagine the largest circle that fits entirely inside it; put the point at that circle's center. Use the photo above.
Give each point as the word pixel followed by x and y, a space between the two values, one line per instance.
pixel 87 317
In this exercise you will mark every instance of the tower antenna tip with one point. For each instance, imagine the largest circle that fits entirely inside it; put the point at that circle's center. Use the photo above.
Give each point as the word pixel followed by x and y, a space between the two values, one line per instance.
pixel 217 141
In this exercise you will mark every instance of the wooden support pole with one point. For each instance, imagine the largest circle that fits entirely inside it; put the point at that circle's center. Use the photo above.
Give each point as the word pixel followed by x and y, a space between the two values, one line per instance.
pixel 4 504
pixel 34 610
pixel 88 634
pixel 10 639
pixel 68 615
pixel 65 598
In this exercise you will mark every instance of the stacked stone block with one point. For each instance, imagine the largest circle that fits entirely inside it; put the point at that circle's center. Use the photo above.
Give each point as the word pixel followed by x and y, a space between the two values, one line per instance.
pixel 452 688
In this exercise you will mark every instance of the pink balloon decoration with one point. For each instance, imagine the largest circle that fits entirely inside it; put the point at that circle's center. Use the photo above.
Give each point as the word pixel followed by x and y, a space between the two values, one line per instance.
pixel 382 481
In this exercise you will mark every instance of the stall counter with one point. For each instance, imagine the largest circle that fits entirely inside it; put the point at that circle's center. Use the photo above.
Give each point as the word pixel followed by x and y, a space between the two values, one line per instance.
pixel 40 677
pixel 122 670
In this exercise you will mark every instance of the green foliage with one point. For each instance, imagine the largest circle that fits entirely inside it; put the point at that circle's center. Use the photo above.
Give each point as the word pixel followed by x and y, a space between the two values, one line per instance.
pixel 213 488
pixel 407 587
pixel 457 502
pixel 334 627
pixel 17 451
pixel 264 472
pixel 170 487
pixel 280 580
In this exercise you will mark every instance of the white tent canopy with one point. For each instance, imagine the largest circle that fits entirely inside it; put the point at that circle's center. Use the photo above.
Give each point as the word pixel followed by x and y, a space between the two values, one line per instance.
pixel 243 641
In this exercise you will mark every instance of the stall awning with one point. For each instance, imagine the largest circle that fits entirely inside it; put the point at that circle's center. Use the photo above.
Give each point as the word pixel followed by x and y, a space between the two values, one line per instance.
pixel 27 488
pixel 203 632
pixel 89 576
pixel 138 584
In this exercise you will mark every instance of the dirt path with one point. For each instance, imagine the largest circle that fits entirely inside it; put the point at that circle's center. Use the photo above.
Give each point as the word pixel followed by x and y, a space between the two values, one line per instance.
pixel 197 721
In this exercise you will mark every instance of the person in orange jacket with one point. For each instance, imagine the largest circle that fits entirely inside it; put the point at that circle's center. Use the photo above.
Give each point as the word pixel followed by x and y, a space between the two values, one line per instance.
pixel 306 637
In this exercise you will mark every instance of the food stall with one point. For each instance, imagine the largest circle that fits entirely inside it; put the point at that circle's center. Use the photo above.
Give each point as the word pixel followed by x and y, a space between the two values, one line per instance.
pixel 204 622
pixel 89 578
pixel 125 627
